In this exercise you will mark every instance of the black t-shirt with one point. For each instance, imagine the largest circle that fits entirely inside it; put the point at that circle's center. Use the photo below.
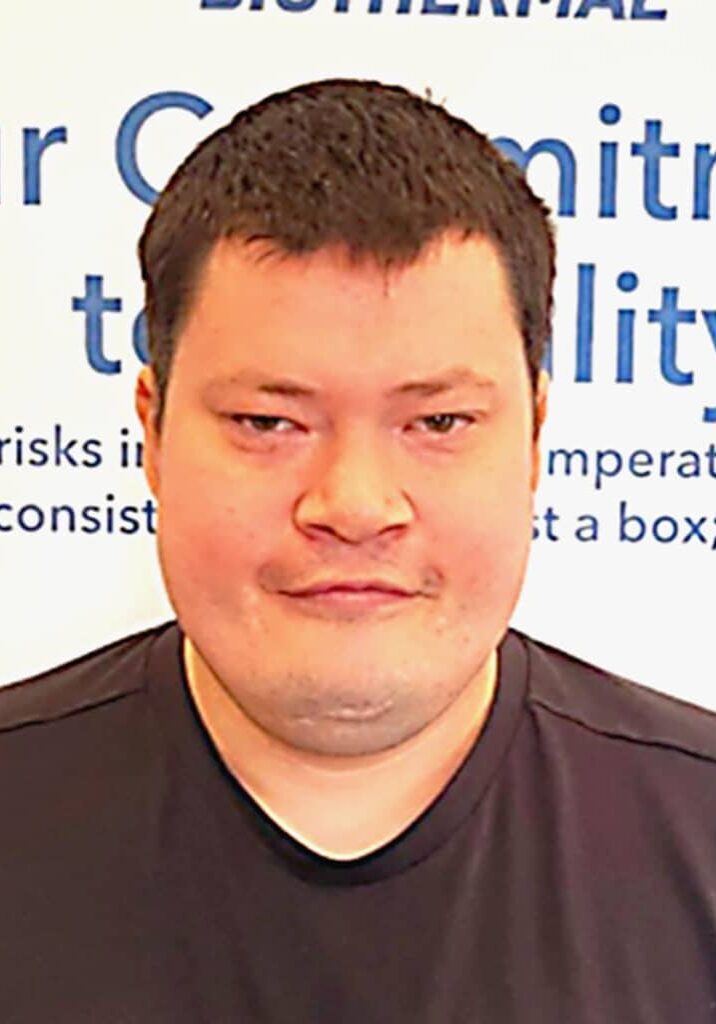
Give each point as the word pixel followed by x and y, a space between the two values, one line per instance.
pixel 566 875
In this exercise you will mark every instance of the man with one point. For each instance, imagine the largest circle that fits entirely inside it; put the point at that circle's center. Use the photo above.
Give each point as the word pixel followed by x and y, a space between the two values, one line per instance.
pixel 340 789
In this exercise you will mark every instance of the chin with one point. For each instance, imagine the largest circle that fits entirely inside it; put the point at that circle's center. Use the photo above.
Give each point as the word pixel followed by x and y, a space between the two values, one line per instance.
pixel 375 732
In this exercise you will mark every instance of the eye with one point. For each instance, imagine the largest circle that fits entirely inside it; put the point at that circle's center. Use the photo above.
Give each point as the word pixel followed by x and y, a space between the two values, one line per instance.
pixel 260 424
pixel 444 422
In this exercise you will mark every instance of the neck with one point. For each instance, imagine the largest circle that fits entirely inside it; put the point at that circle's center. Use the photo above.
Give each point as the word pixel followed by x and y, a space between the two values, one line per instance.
pixel 341 807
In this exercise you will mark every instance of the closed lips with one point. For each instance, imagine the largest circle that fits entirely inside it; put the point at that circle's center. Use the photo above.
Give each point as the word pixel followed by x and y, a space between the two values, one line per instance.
pixel 351 586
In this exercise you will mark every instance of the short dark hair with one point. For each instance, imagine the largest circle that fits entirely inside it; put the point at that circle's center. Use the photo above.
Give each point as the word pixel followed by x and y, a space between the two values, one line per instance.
pixel 366 166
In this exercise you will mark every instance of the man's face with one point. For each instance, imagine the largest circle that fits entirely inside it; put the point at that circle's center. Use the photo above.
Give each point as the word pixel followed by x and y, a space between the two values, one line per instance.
pixel 344 474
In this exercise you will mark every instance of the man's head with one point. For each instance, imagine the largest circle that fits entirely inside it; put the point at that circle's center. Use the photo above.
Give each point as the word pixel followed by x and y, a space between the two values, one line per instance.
pixel 371 168
pixel 349 292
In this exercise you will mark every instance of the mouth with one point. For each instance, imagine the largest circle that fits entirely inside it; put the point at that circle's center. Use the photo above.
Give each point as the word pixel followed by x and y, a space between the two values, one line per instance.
pixel 355 588
pixel 349 598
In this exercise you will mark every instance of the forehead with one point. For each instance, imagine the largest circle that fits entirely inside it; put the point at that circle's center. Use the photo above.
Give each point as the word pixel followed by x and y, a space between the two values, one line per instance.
pixel 324 312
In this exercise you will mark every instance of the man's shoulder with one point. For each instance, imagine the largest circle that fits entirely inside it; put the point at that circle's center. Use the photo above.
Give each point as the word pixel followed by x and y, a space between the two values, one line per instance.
pixel 565 687
pixel 107 674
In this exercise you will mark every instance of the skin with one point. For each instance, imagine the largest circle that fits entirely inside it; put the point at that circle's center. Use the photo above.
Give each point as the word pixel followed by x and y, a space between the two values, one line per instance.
pixel 329 422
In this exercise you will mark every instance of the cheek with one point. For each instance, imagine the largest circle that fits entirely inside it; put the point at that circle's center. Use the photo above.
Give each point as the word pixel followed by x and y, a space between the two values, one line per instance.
pixel 484 532
pixel 213 529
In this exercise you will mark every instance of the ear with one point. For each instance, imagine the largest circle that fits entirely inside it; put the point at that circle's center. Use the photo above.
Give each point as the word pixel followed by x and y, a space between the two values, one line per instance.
pixel 540 414
pixel 146 403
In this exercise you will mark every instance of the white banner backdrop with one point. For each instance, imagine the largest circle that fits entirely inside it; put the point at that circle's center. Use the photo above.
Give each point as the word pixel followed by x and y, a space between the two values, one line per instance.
pixel 609 104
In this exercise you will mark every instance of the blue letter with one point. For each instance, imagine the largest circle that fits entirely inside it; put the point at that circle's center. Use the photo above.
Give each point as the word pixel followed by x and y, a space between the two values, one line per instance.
pixel 652 149
pixel 585 322
pixel 219 4
pixel 523 8
pixel 140 337
pixel 498 8
pixel 626 282
pixel 295 5
pixel 435 7
pixel 709 316
pixel 565 158
pixel 670 316
pixel 93 304
pixel 34 146
pixel 609 114
pixel 704 165
pixel 587 6
pixel 126 145
pixel 640 13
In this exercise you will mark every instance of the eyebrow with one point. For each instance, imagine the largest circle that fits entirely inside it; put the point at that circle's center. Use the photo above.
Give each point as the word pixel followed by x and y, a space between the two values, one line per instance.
pixel 459 376
pixel 266 385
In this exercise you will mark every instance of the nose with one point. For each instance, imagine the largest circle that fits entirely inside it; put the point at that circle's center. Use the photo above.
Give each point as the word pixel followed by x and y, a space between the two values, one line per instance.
pixel 354 495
